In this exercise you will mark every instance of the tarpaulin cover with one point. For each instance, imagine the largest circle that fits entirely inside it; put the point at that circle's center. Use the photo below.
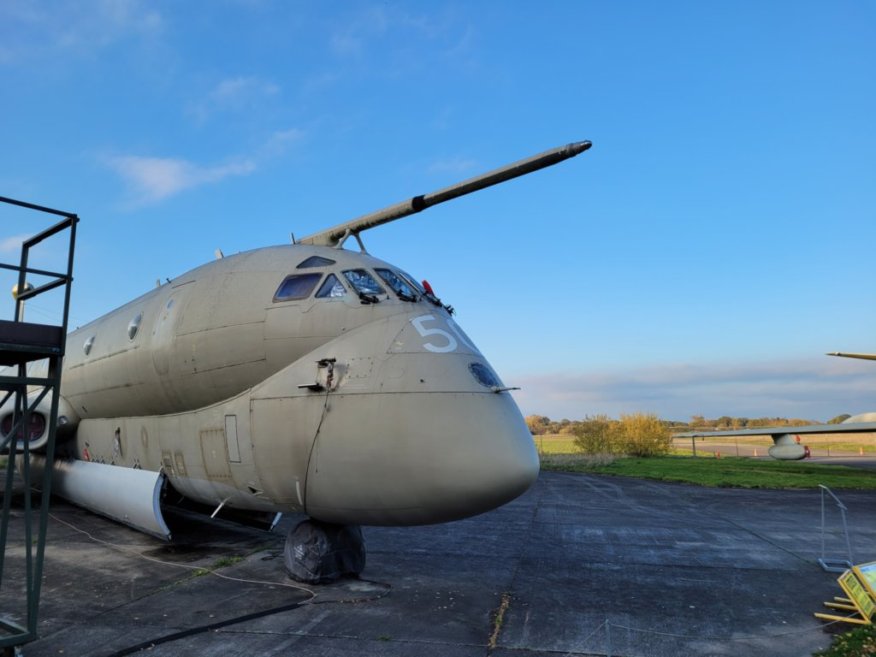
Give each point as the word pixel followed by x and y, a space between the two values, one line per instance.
pixel 318 552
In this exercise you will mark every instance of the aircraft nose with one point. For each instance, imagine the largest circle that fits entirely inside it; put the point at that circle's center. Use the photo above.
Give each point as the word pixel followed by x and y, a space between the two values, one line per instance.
pixel 495 468
pixel 447 456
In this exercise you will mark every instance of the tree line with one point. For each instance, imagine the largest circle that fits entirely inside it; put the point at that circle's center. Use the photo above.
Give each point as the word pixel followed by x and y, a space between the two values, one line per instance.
pixel 540 425
pixel 644 434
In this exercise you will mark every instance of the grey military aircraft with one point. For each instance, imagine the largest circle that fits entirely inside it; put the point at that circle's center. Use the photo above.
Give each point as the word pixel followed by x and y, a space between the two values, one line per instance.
pixel 305 378
pixel 786 443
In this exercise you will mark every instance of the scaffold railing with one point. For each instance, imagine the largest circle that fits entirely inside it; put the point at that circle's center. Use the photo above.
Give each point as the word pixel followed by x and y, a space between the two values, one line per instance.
pixel 31 357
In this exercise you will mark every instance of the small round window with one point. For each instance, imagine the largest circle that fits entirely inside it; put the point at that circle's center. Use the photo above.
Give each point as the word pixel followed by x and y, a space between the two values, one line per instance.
pixel 89 343
pixel 134 326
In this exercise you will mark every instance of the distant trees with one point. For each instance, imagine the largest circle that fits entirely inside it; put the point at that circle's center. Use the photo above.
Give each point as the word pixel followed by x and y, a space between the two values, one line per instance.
pixel 778 422
pixel 595 434
pixel 643 434
pixel 699 423
pixel 637 434
pixel 538 424
pixel 839 419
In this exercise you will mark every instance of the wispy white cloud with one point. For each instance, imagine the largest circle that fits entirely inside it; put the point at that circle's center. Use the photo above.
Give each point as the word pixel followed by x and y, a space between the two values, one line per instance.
pixel 34 29
pixel 234 90
pixel 12 244
pixel 355 35
pixel 153 179
pixel 452 165
pixel 280 141
pixel 233 95
pixel 106 21
pixel 350 39
pixel 813 388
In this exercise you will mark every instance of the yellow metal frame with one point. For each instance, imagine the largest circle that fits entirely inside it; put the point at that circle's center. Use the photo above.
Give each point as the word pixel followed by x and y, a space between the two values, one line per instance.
pixel 860 598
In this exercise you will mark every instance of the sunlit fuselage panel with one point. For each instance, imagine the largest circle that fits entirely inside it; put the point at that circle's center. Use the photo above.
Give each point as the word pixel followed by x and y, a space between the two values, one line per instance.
pixel 209 334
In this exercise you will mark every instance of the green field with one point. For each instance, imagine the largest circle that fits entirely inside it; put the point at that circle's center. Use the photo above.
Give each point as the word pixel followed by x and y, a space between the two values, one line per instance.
pixel 559 453
pixel 556 444
pixel 725 472
pixel 565 444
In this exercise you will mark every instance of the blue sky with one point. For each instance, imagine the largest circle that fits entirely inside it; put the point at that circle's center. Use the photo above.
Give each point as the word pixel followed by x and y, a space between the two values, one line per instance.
pixel 698 259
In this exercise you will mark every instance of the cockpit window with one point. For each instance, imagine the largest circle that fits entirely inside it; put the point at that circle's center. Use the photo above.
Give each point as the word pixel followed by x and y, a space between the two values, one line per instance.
pixel 315 261
pixel 363 282
pixel 297 286
pixel 332 288
pixel 413 282
pixel 398 284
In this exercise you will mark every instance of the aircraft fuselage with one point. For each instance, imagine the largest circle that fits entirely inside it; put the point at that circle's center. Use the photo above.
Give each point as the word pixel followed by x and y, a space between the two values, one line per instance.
pixel 261 382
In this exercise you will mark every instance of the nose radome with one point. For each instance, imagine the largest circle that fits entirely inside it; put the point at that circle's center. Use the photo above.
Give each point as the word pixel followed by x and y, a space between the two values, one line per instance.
pixel 502 464
pixel 427 458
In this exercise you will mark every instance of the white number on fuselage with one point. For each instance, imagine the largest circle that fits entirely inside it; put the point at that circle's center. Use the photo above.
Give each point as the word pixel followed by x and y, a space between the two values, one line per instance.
pixel 461 335
pixel 434 331
pixel 451 342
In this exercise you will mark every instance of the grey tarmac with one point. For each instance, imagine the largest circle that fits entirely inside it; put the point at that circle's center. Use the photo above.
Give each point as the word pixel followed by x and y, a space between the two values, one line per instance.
pixel 579 565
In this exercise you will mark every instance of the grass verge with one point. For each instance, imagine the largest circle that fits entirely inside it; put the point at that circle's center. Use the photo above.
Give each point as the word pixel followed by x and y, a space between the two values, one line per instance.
pixel 857 643
pixel 725 472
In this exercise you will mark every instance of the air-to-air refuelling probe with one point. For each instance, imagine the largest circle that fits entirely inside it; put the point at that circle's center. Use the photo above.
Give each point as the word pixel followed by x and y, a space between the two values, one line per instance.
pixel 303 378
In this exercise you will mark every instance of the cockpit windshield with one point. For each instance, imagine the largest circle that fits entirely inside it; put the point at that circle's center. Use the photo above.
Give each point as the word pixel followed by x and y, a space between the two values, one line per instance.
pixel 296 286
pixel 331 288
pixel 413 282
pixel 363 282
pixel 399 285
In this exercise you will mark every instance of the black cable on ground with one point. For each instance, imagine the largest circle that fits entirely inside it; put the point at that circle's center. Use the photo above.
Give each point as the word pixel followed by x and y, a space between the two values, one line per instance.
pixel 182 634
pixel 176 636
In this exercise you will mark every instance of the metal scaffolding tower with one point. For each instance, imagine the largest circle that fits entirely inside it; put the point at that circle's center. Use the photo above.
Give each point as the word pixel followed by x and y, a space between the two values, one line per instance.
pixel 31 379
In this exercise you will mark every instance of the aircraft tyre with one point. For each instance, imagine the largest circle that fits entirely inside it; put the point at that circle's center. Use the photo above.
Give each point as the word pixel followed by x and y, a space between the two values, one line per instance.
pixel 320 552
